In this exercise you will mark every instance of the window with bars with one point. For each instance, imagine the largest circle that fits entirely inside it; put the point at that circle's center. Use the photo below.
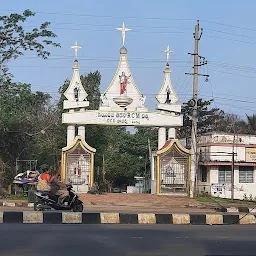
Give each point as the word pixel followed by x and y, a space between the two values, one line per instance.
pixel 246 174
pixel 225 174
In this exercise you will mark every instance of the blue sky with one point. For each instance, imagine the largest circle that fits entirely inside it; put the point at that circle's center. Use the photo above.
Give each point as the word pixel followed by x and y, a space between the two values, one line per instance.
pixel 228 43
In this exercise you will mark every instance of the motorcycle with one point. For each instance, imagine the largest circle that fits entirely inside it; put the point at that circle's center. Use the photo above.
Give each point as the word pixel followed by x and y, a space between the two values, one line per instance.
pixel 47 201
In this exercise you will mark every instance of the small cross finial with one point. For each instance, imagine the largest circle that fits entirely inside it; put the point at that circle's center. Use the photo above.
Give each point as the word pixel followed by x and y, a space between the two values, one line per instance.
pixel 123 29
pixel 167 51
pixel 76 48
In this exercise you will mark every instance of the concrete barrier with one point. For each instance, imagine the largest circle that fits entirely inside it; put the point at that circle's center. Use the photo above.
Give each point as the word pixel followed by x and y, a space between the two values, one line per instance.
pixel 55 217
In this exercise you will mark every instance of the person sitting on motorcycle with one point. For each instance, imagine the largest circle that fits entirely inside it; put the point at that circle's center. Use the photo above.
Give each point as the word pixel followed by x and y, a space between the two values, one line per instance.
pixel 58 188
pixel 44 181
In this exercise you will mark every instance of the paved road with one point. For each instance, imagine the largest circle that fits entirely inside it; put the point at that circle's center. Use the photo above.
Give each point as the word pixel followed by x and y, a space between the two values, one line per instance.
pixel 126 240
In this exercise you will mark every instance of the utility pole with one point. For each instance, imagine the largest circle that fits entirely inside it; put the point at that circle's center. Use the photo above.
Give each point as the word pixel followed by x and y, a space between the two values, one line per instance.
pixel 193 170
pixel 233 168
pixel 103 170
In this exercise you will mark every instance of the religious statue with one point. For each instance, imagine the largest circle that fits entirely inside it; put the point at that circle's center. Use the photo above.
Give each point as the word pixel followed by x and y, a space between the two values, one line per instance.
pixel 142 100
pixel 103 100
pixel 168 92
pixel 76 91
pixel 123 83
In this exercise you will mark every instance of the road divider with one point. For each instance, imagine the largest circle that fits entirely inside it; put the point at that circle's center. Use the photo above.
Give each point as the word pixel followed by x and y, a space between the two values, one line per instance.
pixel 53 217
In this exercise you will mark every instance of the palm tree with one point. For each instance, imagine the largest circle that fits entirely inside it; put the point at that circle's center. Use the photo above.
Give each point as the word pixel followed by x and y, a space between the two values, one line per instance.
pixel 251 122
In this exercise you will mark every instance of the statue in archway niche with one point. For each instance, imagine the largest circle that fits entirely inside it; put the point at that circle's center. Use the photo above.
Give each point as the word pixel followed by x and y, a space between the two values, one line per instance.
pixel 123 83
pixel 104 100
pixel 142 100
pixel 168 92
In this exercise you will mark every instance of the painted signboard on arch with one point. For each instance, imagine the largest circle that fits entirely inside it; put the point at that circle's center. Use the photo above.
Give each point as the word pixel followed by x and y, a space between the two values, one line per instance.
pixel 123 118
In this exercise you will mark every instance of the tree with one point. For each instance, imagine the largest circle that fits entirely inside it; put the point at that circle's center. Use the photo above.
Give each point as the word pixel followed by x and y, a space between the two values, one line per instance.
pixel 23 114
pixel 127 155
pixel 230 123
pixel 207 117
pixel 14 39
pixel 251 123
pixel 21 122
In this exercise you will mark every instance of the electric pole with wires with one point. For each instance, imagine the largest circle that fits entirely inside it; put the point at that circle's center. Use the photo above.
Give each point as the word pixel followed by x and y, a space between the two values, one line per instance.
pixel 198 61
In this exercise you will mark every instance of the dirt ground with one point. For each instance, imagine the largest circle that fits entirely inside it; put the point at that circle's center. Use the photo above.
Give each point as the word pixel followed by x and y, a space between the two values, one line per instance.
pixel 137 201
pixel 130 203
pixel 142 200
pixel 118 202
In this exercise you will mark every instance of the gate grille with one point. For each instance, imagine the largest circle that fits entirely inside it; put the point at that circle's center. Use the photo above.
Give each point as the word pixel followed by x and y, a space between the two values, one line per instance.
pixel 78 168
pixel 173 174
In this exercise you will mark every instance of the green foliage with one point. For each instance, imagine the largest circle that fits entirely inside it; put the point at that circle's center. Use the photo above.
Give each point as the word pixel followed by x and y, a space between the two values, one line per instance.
pixel 27 119
pixel 213 119
pixel 251 123
pixel 27 122
pixel 127 154
pixel 230 123
pixel 15 39
pixel 207 117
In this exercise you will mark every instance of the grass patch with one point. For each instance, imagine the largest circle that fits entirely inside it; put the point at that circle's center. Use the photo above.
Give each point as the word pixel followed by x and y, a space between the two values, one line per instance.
pixel 17 197
pixel 222 201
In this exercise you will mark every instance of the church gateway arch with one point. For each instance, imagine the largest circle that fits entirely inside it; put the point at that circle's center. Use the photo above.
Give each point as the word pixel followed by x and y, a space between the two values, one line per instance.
pixel 123 104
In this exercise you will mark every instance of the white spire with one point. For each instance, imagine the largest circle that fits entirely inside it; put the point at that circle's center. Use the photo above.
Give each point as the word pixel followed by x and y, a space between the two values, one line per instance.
pixel 167 51
pixel 76 48
pixel 123 29
pixel 167 95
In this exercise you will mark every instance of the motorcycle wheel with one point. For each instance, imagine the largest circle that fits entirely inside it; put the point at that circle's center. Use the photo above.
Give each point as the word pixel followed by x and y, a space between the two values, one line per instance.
pixel 78 208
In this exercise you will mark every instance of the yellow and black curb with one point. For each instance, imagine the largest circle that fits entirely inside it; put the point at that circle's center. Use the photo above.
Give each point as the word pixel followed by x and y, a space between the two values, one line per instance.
pixel 124 218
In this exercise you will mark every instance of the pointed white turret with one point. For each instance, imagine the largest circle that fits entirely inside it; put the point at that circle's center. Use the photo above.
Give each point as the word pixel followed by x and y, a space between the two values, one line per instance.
pixel 122 93
pixel 167 94
pixel 75 93
pixel 167 97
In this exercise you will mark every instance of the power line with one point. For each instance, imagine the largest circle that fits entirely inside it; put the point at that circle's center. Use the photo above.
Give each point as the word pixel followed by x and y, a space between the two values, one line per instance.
pixel 143 59
pixel 145 18
pixel 229 33
pixel 134 17
pixel 232 99
pixel 111 25
pixel 237 107
pixel 230 73
pixel 111 30
pixel 92 67
pixel 105 16
pixel 228 25
pixel 230 39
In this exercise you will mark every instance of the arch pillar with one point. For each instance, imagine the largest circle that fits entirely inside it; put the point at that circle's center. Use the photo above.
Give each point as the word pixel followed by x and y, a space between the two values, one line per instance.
pixel 81 131
pixel 171 133
pixel 161 137
pixel 70 134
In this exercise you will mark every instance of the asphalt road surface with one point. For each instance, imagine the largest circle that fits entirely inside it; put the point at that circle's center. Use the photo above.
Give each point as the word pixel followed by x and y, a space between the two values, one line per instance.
pixel 124 240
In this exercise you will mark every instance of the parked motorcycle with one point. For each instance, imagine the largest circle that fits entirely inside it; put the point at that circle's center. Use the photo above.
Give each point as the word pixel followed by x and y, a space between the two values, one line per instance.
pixel 48 201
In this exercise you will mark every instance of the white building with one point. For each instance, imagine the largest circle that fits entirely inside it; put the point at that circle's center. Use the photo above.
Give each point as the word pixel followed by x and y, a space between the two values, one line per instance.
pixel 215 164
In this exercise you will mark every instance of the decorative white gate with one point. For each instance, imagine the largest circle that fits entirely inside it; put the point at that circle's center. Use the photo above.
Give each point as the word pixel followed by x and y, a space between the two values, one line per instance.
pixel 78 171
pixel 174 175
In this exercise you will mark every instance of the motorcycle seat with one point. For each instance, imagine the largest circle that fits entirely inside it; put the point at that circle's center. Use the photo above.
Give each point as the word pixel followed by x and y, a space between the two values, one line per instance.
pixel 51 195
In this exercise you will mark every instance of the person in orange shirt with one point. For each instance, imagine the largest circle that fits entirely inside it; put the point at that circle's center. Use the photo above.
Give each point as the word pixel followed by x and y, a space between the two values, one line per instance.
pixel 44 181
